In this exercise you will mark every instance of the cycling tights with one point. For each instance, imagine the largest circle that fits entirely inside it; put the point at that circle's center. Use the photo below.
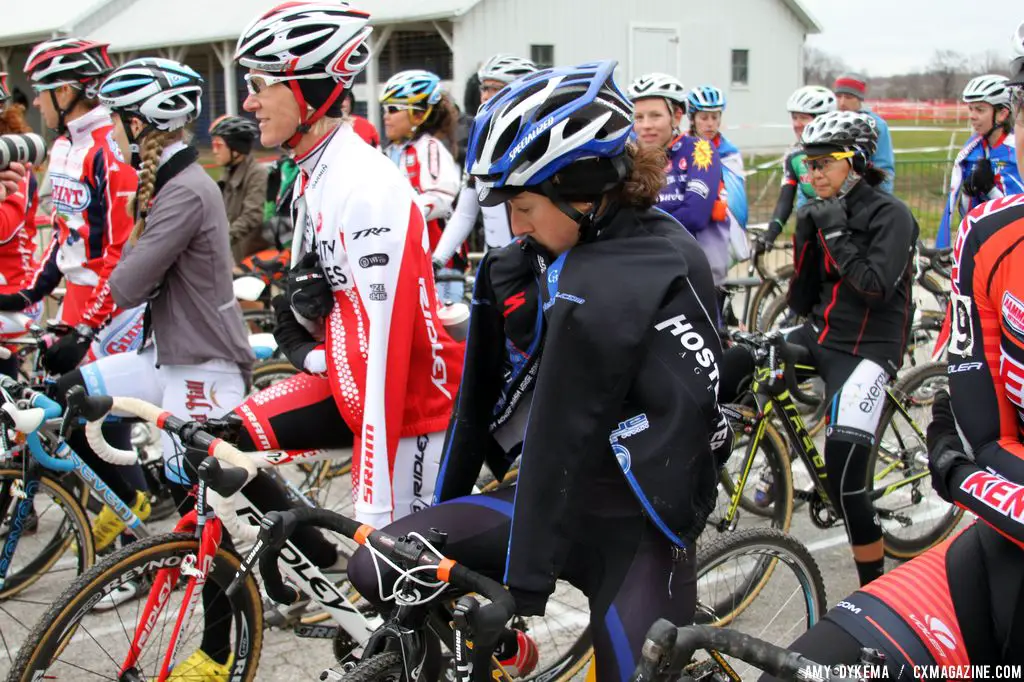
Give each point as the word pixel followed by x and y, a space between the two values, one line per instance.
pixel 617 558
pixel 856 390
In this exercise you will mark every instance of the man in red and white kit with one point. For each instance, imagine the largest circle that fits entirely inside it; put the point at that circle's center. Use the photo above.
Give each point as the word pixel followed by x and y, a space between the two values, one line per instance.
pixel 360 315
pixel 92 185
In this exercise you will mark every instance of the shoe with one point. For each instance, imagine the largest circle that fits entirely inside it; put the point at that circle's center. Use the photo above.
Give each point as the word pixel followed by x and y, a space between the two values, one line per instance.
pixel 109 525
pixel 517 653
pixel 125 592
pixel 764 494
pixel 199 667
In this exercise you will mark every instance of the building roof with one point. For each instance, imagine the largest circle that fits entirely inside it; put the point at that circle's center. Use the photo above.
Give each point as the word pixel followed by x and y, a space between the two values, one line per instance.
pixel 804 15
pixel 204 21
pixel 40 23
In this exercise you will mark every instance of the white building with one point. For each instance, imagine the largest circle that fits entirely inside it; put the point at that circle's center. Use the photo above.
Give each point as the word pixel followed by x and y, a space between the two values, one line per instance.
pixel 751 48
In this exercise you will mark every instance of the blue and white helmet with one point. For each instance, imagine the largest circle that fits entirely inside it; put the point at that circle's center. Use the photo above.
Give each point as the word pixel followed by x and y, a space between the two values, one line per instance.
pixel 414 88
pixel 543 123
pixel 163 92
pixel 705 98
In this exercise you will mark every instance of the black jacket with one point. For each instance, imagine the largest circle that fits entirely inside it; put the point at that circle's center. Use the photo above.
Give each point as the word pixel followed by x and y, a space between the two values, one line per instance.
pixel 629 375
pixel 854 276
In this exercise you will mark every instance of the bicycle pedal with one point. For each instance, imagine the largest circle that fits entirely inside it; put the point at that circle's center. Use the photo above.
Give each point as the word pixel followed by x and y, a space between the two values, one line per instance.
pixel 330 675
pixel 317 631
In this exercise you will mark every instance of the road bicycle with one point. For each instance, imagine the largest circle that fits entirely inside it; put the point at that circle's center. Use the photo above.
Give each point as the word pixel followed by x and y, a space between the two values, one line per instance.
pixel 913 519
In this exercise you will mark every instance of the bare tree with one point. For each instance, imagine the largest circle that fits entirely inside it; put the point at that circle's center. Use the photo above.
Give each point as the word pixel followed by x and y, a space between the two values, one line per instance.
pixel 946 68
pixel 821 68
pixel 992 61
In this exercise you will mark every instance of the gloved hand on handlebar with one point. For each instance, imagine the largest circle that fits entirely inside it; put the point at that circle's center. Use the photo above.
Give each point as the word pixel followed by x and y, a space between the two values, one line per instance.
pixel 14 303
pixel 64 356
pixel 529 603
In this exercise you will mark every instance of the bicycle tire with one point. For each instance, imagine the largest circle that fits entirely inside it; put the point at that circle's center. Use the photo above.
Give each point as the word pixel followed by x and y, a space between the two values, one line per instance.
pixel 75 527
pixel 387 666
pixel 765 294
pixel 54 632
pixel 775 452
pixel 786 548
pixel 269 372
pixel 896 547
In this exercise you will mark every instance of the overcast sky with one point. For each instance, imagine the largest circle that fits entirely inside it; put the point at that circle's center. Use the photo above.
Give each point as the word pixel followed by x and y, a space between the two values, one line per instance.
pixel 884 37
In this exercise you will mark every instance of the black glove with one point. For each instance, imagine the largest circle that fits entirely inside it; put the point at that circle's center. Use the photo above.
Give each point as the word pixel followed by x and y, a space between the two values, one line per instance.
pixel 63 356
pixel 981 180
pixel 309 292
pixel 14 303
pixel 529 603
pixel 945 449
pixel 827 214
pixel 292 338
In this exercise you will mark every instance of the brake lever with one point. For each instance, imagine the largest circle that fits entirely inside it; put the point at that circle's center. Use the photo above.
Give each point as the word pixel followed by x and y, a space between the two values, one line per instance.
pixel 275 529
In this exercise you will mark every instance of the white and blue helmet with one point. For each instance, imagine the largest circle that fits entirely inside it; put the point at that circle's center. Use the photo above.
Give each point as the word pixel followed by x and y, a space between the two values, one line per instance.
pixel 415 88
pixel 705 98
pixel 545 122
pixel 162 92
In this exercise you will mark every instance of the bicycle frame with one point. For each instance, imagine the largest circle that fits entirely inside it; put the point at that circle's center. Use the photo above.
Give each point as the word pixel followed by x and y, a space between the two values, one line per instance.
pixel 302 572
pixel 770 397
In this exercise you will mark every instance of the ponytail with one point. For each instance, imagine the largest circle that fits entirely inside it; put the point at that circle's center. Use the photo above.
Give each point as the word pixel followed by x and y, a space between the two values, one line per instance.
pixel 152 147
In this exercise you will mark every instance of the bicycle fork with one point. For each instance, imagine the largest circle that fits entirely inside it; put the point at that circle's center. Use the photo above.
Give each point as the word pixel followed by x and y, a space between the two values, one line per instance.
pixel 25 493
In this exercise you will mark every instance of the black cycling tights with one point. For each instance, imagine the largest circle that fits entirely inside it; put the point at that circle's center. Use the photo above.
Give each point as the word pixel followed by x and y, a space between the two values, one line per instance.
pixel 621 562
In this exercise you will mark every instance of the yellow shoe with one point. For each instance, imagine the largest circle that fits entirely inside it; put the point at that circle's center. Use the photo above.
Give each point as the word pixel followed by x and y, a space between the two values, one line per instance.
pixel 109 525
pixel 199 667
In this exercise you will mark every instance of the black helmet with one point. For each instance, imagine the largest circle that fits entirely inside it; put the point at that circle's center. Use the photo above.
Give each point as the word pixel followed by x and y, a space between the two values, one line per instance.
pixel 853 131
pixel 239 133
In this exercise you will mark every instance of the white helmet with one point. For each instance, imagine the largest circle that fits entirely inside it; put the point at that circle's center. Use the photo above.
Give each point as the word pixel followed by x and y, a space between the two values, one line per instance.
pixel 657 85
pixel 811 99
pixel 163 92
pixel 308 39
pixel 1017 58
pixel 505 68
pixel 990 89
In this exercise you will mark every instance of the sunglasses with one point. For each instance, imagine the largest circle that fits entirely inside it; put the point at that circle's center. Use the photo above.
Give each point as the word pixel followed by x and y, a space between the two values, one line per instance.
pixel 396 108
pixel 484 89
pixel 824 162
pixel 258 82
pixel 46 87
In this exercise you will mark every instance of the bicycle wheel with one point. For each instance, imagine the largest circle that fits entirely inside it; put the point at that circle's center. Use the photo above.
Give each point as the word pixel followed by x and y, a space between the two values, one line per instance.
pixel 386 667
pixel 761 581
pixel 259 320
pixel 55 546
pixel 772 504
pixel 913 517
pixel 771 289
pixel 269 372
pixel 75 640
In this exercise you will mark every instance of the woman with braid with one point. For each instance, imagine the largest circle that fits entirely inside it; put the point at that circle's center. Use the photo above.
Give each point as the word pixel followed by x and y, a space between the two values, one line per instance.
pixel 195 360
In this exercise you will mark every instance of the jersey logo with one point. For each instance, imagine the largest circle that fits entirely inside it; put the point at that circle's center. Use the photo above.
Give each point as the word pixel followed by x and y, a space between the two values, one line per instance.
pixel 961 341
pixel 1013 315
pixel 702 155
pixel 70 195
pixel 682 164
pixel 1012 373
pixel 433 160
pixel 627 429
pixel 514 302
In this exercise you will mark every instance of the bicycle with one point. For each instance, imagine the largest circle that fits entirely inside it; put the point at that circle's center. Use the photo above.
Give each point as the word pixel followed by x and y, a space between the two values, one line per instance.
pixel 897 465
pixel 669 654
pixel 765 285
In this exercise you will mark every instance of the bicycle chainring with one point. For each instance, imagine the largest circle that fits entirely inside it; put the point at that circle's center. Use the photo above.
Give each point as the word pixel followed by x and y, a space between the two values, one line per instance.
pixel 822 515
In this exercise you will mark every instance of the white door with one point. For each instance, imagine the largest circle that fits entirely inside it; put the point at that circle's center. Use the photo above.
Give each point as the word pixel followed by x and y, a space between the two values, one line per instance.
pixel 653 47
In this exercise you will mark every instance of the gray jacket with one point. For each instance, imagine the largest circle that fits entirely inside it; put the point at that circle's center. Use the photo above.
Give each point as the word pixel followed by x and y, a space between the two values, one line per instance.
pixel 182 265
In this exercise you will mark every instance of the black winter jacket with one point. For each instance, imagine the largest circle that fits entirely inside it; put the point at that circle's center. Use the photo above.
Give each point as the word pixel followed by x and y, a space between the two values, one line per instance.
pixel 616 341
pixel 854 276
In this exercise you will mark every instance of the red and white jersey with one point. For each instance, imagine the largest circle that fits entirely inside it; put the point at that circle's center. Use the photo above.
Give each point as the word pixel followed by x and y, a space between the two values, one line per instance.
pixel 393 368
pixel 18 237
pixel 91 188
pixel 433 173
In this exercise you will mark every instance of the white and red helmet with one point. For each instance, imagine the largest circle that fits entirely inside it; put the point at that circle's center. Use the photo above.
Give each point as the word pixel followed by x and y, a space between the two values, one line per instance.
pixel 68 60
pixel 311 39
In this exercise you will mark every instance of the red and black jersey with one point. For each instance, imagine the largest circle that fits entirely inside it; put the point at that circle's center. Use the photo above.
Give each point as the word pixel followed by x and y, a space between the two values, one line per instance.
pixel 986 362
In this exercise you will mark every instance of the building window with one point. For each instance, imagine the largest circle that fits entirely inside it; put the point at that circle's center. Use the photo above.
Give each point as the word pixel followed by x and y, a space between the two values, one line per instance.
pixel 740 67
pixel 414 50
pixel 543 55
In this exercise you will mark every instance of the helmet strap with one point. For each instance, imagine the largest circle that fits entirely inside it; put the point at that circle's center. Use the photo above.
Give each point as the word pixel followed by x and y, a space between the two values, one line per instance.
pixel 306 121
pixel 62 113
